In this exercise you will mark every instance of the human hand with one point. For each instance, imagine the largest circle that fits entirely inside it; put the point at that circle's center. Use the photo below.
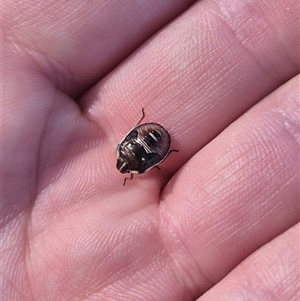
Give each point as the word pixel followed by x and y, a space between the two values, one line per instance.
pixel 219 221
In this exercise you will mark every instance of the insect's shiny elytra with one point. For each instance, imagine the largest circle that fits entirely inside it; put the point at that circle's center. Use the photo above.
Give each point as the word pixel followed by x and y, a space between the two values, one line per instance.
pixel 143 148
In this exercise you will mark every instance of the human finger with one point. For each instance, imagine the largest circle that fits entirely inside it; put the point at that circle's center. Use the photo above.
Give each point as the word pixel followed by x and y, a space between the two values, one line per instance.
pixel 74 44
pixel 198 75
pixel 237 193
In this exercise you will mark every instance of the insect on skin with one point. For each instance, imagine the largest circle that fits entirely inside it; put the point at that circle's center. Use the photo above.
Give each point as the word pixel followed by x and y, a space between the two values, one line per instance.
pixel 143 148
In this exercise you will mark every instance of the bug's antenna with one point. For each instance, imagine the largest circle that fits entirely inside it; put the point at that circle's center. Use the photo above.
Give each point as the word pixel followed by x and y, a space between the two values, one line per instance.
pixel 142 116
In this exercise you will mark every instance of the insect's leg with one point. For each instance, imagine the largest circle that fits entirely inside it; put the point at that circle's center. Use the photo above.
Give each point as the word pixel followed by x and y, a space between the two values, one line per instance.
pixel 131 176
pixel 141 117
pixel 172 150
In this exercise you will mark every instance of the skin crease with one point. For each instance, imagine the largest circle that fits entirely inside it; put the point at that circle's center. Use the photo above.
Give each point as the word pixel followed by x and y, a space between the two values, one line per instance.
pixel 220 220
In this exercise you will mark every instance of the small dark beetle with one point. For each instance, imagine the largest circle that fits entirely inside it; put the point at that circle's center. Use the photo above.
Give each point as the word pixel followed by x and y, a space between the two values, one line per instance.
pixel 143 148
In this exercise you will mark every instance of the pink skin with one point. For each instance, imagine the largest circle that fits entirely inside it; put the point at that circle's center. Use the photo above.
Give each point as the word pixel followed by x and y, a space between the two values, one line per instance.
pixel 219 221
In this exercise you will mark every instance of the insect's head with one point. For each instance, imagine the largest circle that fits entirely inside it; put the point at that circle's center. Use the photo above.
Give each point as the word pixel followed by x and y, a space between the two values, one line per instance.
pixel 122 165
